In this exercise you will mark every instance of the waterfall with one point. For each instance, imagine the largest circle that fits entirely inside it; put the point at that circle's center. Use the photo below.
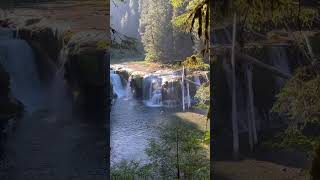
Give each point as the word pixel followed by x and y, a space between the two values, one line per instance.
pixel 24 77
pixel 59 98
pixel 6 33
pixel 117 86
pixel 128 88
pixel 152 90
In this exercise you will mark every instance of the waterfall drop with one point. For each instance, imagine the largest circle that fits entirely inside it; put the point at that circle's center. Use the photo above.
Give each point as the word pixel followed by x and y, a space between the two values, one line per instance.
pixel 152 86
pixel 117 86
pixel 24 77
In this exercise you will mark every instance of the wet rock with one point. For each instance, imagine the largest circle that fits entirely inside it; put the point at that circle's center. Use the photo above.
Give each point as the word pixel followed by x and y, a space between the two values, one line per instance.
pixel 137 86
pixel 85 69
pixel 9 106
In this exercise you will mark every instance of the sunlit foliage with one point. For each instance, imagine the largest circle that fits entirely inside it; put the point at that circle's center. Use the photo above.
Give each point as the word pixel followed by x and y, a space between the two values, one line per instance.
pixel 194 18
pixel 300 99
pixel 203 94
pixel 195 62
pixel 191 157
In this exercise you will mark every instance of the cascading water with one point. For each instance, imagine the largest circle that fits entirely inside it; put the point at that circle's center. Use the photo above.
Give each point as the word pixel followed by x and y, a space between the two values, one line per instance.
pixel 117 86
pixel 20 64
pixel 128 88
pixel 60 101
pixel 152 91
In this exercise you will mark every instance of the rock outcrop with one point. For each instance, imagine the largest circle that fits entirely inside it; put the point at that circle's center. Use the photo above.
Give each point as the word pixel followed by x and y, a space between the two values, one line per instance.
pixel 79 55
pixel 9 106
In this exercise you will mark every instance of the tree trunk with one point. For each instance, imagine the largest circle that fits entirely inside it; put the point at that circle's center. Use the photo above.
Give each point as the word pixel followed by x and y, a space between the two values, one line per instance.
pixel 234 98
pixel 177 146
pixel 251 105
pixel 248 110
pixel 182 87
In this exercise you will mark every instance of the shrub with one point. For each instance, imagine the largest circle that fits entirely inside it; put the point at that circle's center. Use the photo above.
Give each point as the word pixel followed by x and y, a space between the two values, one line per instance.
pixel 195 62
pixel 203 94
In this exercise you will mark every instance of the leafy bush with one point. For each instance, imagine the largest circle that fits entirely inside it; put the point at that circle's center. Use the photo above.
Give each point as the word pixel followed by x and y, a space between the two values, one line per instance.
pixel 192 158
pixel 195 62
pixel 203 94
pixel 299 99
pixel 132 170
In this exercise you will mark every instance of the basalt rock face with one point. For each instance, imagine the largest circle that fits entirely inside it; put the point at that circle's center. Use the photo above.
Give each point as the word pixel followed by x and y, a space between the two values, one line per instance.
pixel 85 70
pixel 80 56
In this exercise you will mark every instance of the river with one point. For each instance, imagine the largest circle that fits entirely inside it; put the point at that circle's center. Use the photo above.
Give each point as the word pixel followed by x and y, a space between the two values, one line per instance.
pixel 132 125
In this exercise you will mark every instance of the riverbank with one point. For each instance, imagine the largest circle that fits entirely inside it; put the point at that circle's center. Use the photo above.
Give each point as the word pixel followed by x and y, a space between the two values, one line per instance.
pixel 256 170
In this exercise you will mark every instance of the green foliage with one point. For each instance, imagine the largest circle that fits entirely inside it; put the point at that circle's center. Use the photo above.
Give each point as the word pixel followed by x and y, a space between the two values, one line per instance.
pixel 259 13
pixel 195 17
pixel 103 44
pixel 203 94
pixel 299 99
pixel 207 137
pixel 67 36
pixel 195 62
pixel 263 15
pixel 193 159
pixel 156 33
pixel 194 162
pixel 132 170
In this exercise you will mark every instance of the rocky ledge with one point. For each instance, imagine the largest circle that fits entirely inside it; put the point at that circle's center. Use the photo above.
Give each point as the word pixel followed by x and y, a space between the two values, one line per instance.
pixel 80 55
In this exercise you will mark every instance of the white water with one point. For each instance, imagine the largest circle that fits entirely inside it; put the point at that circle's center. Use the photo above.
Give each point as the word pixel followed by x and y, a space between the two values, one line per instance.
pixel 117 86
pixel 152 91
pixel 129 94
pixel 20 63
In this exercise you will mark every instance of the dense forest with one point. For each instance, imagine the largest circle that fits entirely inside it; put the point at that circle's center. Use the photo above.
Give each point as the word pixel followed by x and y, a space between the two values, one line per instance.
pixel 158 26
pixel 266 80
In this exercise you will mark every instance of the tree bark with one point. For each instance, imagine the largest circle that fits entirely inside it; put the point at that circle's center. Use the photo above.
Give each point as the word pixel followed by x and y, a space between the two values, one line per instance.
pixel 251 105
pixel 248 110
pixel 182 87
pixel 234 98
pixel 260 64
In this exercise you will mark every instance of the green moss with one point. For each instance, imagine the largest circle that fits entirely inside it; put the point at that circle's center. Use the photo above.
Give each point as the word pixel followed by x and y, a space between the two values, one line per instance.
pixel 103 44
pixel 195 62
pixel 67 36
